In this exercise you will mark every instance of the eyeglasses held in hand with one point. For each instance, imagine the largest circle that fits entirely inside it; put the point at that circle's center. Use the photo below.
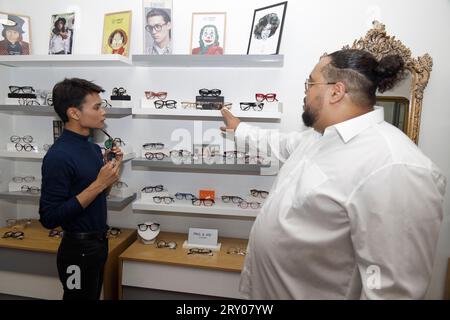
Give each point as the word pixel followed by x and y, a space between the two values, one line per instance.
pixel 234 199
pixel 210 92
pixel 119 91
pixel 207 252
pixel 27 147
pixel 187 196
pixel 158 95
pixel 18 89
pixel 165 199
pixel 105 104
pixel 254 205
pixel 269 97
pixel 170 104
pixel 205 202
pixel 163 244
pixel 19 235
pixel 145 226
pixel 23 179
pixel 27 139
pixel 155 155
pixel 245 106
pixel 259 193
pixel 238 251
pixel 109 143
pixel 150 189
pixel 28 189
pixel 55 233
pixel 156 146
pixel 157 27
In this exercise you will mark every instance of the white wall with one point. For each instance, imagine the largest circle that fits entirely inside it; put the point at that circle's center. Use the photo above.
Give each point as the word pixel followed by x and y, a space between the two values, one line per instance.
pixel 312 28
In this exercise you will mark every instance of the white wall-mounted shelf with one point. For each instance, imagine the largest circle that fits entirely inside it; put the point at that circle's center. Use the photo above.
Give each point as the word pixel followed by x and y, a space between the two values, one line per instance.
pixel 40 155
pixel 65 61
pixel 50 111
pixel 184 206
pixel 208 61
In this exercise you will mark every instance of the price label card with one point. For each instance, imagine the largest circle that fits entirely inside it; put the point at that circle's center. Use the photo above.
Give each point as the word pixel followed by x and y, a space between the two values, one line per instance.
pixel 201 237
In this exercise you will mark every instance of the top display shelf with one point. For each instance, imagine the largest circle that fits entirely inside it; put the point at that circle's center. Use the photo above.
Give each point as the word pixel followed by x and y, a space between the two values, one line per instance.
pixel 162 61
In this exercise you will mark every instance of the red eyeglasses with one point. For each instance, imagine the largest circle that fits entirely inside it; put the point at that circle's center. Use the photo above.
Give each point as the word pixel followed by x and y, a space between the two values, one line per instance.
pixel 153 95
pixel 270 97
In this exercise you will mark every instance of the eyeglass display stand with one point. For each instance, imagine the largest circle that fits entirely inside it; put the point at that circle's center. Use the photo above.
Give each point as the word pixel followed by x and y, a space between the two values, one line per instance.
pixel 148 236
pixel 121 101
pixel 208 102
pixel 22 96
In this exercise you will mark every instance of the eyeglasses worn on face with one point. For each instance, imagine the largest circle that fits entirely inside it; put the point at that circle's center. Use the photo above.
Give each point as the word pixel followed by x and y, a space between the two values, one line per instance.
pixel 308 84
pixel 156 27
pixel 145 226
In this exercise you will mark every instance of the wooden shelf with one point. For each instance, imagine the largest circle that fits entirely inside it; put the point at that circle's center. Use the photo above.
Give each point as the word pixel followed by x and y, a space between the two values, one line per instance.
pixel 49 111
pixel 65 61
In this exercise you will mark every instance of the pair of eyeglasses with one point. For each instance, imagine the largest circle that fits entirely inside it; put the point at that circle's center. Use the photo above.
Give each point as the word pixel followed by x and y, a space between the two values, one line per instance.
pixel 18 222
pixel 150 189
pixel 155 155
pixel 309 83
pixel 28 102
pixel 113 232
pixel 144 226
pixel 169 104
pixel 238 251
pixel 210 92
pixel 105 104
pixel 234 199
pixel 186 105
pixel 28 189
pixel 28 139
pixel 165 199
pixel 187 196
pixel 149 146
pixel 27 147
pixel 109 143
pixel 269 97
pixel 206 202
pixel 23 179
pixel 259 193
pixel 19 235
pixel 55 233
pixel 207 252
pixel 119 91
pixel 213 105
pixel 18 89
pixel 163 244
pixel 120 185
pixel 180 154
pixel 157 27
pixel 155 95
pixel 244 205
pixel 233 154
pixel 245 106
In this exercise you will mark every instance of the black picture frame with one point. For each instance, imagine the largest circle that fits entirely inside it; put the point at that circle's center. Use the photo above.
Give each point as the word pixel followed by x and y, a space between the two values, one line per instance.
pixel 255 35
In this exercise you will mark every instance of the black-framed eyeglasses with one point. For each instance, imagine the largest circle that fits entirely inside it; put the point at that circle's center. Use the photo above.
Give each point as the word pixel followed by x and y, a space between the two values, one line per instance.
pixel 19 235
pixel 234 199
pixel 309 83
pixel 55 233
pixel 245 106
pixel 18 89
pixel 157 27
pixel 105 104
pixel 155 155
pixel 187 196
pixel 165 199
pixel 119 91
pixel 149 146
pixel 144 226
pixel 27 147
pixel 169 104
pixel 18 179
pixel 28 189
pixel 163 244
pixel 203 251
pixel 245 204
pixel 150 189
pixel 210 92
pixel 206 202
pixel 28 102
pixel 259 193
pixel 27 139
pixel 213 105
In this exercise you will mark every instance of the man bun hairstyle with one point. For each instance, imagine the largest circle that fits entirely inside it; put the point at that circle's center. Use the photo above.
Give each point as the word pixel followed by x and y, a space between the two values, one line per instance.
pixel 363 75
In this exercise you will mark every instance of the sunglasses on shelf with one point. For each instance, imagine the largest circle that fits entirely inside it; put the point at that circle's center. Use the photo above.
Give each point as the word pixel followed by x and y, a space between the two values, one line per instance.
pixel 207 252
pixel 259 193
pixel 18 89
pixel 234 199
pixel 210 92
pixel 119 91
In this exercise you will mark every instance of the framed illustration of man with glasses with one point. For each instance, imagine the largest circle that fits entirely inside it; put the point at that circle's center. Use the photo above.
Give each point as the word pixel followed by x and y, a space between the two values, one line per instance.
pixel 158 27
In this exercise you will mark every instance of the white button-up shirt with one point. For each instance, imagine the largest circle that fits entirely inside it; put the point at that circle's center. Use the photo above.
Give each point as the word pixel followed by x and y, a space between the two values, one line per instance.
pixel 353 214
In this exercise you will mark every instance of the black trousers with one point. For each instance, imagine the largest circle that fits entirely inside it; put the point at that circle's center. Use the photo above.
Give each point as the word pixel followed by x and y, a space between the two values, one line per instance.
pixel 80 267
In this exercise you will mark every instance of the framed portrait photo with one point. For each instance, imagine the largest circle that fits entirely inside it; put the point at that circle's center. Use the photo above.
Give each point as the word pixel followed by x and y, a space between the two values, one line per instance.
pixel 61 33
pixel 208 33
pixel 117 33
pixel 15 34
pixel 158 27
pixel 267 28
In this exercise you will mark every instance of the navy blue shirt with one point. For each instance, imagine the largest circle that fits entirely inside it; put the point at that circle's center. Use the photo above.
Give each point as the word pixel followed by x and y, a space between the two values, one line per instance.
pixel 69 167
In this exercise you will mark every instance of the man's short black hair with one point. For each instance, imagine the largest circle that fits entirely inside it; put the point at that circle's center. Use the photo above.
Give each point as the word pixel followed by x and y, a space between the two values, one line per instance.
pixel 71 93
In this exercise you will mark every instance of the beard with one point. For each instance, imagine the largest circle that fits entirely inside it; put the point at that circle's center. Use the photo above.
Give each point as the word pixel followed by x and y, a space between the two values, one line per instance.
pixel 309 116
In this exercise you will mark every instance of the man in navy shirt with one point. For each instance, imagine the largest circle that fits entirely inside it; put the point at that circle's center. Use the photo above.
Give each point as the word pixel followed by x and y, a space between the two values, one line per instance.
pixel 75 183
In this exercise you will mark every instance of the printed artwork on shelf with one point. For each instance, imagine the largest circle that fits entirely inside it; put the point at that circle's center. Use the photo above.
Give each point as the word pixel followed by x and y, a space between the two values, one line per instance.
pixel 61 33
pixel 208 33
pixel 16 34
pixel 117 33
pixel 157 27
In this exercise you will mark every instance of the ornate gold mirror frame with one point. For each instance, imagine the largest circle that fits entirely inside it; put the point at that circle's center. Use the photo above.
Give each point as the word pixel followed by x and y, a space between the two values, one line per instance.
pixel 380 44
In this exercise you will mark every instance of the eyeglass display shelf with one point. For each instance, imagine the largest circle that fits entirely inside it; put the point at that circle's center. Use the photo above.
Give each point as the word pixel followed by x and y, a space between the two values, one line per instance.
pixel 113 202
pixel 65 61
pixel 50 111
pixel 220 168
pixel 185 206
pixel 208 61
pixel 40 155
